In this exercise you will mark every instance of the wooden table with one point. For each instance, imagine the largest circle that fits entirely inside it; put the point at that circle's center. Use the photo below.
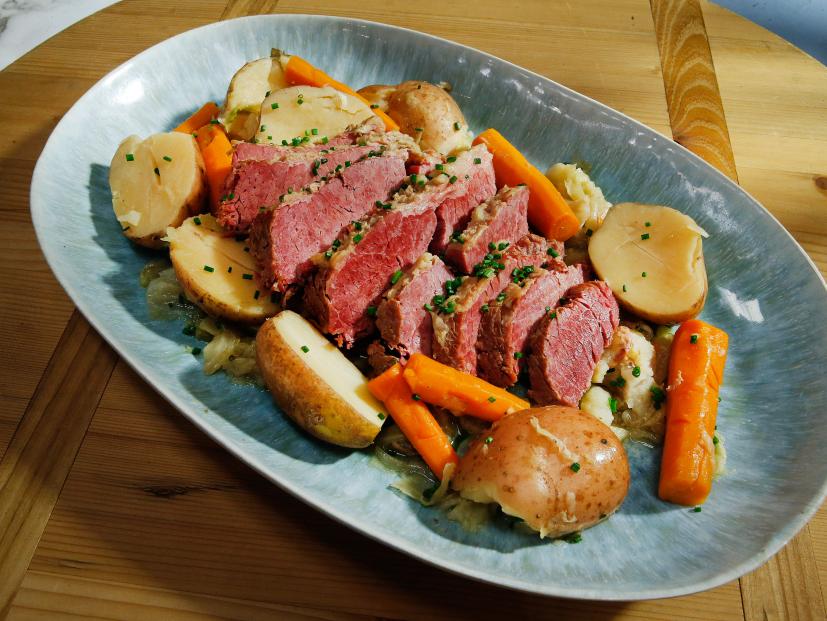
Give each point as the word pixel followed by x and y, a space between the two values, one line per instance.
pixel 114 506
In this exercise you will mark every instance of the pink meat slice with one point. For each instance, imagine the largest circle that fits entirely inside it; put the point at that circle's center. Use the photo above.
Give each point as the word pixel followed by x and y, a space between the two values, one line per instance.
pixel 567 344
pixel 283 239
pixel 401 318
pixel 503 335
pixel 499 220
pixel 456 326
pixel 473 183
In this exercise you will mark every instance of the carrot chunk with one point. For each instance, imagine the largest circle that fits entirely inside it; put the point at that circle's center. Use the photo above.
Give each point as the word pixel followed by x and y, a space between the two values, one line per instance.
pixel 218 158
pixel 548 211
pixel 414 419
pixel 462 393
pixel 204 115
pixel 299 71
pixel 696 370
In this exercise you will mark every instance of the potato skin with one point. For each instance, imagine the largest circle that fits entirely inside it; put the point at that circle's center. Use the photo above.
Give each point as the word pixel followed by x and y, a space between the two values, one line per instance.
pixel 305 397
pixel 530 477
pixel 417 105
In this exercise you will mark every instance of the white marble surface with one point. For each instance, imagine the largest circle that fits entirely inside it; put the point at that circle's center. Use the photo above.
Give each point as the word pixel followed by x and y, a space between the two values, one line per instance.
pixel 25 24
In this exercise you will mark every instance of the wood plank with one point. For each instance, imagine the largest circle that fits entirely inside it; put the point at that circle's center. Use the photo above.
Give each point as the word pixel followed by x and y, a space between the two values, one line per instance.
pixel 776 102
pixel 44 445
pixel 696 113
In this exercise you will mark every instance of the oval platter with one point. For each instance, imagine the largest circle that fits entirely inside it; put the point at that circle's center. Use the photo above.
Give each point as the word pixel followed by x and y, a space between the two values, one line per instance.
pixel 764 292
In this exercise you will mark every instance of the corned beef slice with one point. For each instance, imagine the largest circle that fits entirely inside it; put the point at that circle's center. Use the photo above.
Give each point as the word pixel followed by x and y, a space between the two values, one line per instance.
pixel 566 346
pixel 455 332
pixel 506 326
pixel 502 218
pixel 403 322
pixel 256 184
pixel 284 239
pixel 261 174
pixel 357 273
pixel 474 184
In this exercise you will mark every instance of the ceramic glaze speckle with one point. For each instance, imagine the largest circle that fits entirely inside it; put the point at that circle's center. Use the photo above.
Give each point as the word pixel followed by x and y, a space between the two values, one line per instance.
pixel 775 391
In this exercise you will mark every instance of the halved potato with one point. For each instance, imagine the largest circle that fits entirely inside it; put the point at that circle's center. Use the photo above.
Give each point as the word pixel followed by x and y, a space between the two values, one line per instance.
pixel 249 87
pixel 156 183
pixel 652 258
pixel 308 112
pixel 315 385
pixel 217 273
pixel 424 111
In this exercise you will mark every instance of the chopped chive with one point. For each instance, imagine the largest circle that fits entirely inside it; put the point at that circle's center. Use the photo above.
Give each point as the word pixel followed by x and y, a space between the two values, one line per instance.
pixel 247 276
pixel 374 106
pixel 427 307
pixel 648 224
pixel 484 308
pixel 477 160
pixel 695 510
pixel 453 179
pixel 451 159
pixel 693 339
pixel 500 297
pixel 553 315
pixel 456 126
pixel 589 232
pixel 325 140
pixel 189 330
pixel 214 122
pixel 613 404
pixel 347 163
pixel 624 288
pixel 381 416
pixel 256 294
pixel 553 253
pixel 416 397
pixel 230 269
pixel 130 157
pixel 328 254
pixel 314 131
pixel 575 467
pixel 396 276
pixel 439 167
pixel 209 268
pixel 492 399
pixel 715 440
pixel 636 371
pixel 643 274
pixel 167 158
pixel 489 440
pixel 645 236
pixel 197 220
pixel 418 129
pixel 518 355
pixel 305 348
pixel 572 538
pixel 157 172
pixel 371 311
pixel 273 106
pixel 357 238
pixel 267 94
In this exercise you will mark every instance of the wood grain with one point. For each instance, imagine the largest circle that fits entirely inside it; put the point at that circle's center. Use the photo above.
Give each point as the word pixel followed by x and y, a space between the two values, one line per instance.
pixel 44 446
pixel 696 113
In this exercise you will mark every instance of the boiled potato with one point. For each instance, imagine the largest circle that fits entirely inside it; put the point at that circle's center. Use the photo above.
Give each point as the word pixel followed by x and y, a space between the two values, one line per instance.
pixel 156 183
pixel 309 112
pixel 315 385
pixel 558 468
pixel 652 258
pixel 424 111
pixel 211 268
pixel 249 87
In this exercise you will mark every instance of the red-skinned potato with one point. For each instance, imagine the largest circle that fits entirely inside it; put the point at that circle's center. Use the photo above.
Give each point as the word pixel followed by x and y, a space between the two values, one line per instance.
pixel 558 468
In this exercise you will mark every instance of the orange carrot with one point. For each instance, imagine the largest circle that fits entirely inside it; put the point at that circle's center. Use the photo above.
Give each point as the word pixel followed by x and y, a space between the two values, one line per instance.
pixel 218 158
pixel 299 71
pixel 207 113
pixel 462 393
pixel 414 419
pixel 696 370
pixel 548 211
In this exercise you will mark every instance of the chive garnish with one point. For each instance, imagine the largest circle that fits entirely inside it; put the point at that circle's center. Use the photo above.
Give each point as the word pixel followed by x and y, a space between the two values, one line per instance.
pixel 456 126
pixel 305 348
pixel 371 311
pixel 477 160
pixel 453 179
pixel 157 172
pixel 130 157
pixel 314 131
pixel 197 220
pixel 693 339
pixel 553 253
pixel 247 276
pixel 357 238
pixel 489 440
pixel 484 308
pixel 416 397
pixel 636 371
pixel 209 268
pixel 451 159
pixel 492 399
pixel 381 416
pixel 645 236
pixel 575 467
pixel 396 276
pixel 518 355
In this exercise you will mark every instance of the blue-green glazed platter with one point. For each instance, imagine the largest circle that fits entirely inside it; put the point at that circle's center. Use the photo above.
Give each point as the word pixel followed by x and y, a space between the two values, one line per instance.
pixel 764 292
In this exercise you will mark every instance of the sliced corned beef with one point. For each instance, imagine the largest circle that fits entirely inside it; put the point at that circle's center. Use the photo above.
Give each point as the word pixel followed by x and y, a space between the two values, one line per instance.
pixel 567 344
pixel 284 239
pixel 261 174
pixel 372 256
pixel 403 322
pixel 456 319
pixel 471 178
pixel 505 328
pixel 502 218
